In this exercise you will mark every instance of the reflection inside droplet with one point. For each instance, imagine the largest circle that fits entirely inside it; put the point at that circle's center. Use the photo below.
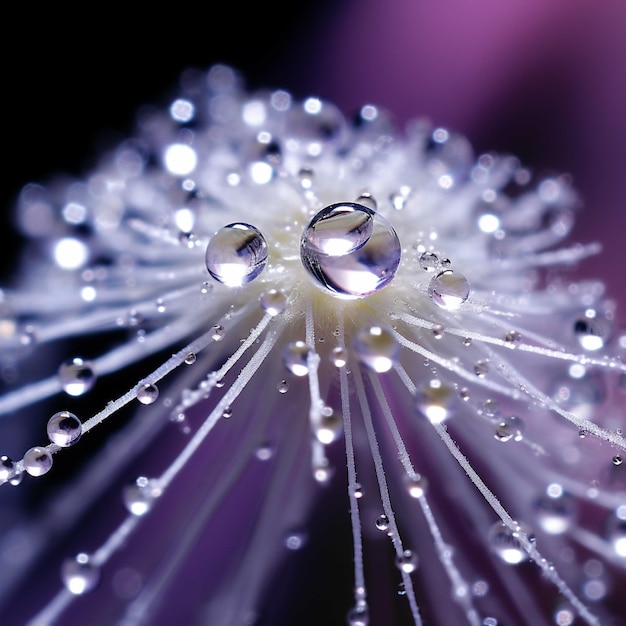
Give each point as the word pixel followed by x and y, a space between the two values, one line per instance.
pixel 350 250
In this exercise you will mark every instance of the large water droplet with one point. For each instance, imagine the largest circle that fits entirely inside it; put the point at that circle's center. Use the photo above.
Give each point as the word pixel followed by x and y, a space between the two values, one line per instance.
pixel 376 348
pixel 350 250
pixel 435 401
pixel 592 331
pixel 448 289
pixel 295 358
pixel 64 429
pixel 79 575
pixel 147 394
pixel 76 376
pixel 236 254
pixel 37 461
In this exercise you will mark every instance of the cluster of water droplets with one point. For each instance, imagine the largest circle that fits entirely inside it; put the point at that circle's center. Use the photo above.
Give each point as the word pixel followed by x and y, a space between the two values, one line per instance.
pixel 302 286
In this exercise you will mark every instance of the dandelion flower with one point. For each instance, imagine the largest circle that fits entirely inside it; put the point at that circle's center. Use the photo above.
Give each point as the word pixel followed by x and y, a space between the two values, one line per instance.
pixel 295 304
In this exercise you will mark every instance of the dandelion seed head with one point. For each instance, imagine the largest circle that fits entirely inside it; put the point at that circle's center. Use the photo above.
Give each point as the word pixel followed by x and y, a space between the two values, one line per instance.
pixel 363 305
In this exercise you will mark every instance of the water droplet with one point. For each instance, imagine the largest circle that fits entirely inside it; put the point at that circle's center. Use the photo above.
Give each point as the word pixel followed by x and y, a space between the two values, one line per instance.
pixel 358 491
pixel 140 495
pixel 555 510
pixel 438 331
pixel 236 254
pixel 449 289
pixel 592 331
pixel 295 358
pixel 7 468
pixel 376 348
pixel 358 616
pixel 217 332
pixel 273 302
pixel 79 575
pixel 617 460
pixel 350 250
pixel 481 368
pixel 429 261
pixel 401 589
pixel 406 562
pixel 322 472
pixel 511 427
pixel 382 523
pixel 615 531
pixel 190 359
pixel 505 544
pixel 37 461
pixel 264 452
pixel 416 485
pixel 64 429
pixel 76 376
pixel 490 407
pixel 227 412
pixel 330 426
pixel 283 386
pixel 512 339
pixel 295 540
pixel 147 394
pixel 339 356
pixel 435 401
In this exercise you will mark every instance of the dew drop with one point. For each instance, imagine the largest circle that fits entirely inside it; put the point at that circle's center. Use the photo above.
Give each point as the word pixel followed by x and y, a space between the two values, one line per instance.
pixel 512 339
pixel 448 289
pixel 555 510
pixel 506 545
pixel 511 427
pixel 322 472
pixel 140 495
pixel 481 368
pixel 615 531
pixel 339 356
pixel 416 485
pixel 227 412
pixel 64 429
pixel 401 589
pixel 79 575
pixel 358 616
pixel 592 331
pixel 37 461
pixel 295 358
pixel 376 348
pixel 330 427
pixel 282 386
pixel 264 452
pixel 7 468
pixel 617 460
pixel 147 394
pixel 76 376
pixel 382 523
pixel 435 401
pixel 236 254
pixel 295 540
pixel 350 250
pixel 406 562
pixel 190 359
pixel 273 302
pixel 428 261
pixel 217 332
pixel 358 491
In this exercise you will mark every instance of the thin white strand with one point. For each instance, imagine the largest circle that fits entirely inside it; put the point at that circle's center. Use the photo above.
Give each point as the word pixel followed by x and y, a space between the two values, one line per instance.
pixel 443 551
pixel 53 610
pixel 360 591
pixel 548 569
pixel 396 539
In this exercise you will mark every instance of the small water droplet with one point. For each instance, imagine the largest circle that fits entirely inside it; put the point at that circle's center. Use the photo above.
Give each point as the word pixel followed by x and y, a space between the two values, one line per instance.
pixel 382 523
pixel 429 261
pixel 555 510
pixel 481 368
pixel 406 562
pixel 190 359
pixel 79 575
pixel 438 331
pixel 358 616
pixel 295 540
pixel 217 332
pixel 273 301
pixel 37 461
pixel 227 412
pixel 617 460
pixel 330 427
pixel 236 254
pixel 401 590
pixel 339 356
pixel 7 468
pixel 505 544
pixel 64 429
pixel 264 452
pixel 512 339
pixel 140 495
pixel 76 376
pixel 148 393
pixel 449 289
pixel 376 348
pixel 295 358
pixel 615 531
pixel 592 331
pixel 350 250
pixel 435 401
pixel 358 491
pixel 416 485
pixel 511 427
pixel 283 386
